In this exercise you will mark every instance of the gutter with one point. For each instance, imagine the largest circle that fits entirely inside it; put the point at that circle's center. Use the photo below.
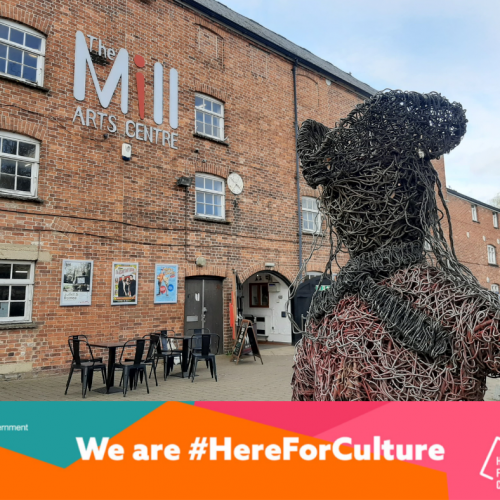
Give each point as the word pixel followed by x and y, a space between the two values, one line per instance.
pixel 472 200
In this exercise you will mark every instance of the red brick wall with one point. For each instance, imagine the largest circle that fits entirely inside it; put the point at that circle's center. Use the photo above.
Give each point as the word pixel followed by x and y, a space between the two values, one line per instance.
pixel 96 206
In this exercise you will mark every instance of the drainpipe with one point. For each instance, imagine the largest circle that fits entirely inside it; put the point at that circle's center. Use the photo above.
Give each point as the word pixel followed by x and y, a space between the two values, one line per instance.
pixel 297 169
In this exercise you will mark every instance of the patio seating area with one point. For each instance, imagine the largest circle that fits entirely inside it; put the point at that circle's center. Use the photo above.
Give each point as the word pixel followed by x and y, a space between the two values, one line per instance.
pixel 248 380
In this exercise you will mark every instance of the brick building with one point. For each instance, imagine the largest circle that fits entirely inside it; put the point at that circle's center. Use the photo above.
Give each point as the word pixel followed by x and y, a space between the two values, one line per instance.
pixel 477 237
pixel 148 147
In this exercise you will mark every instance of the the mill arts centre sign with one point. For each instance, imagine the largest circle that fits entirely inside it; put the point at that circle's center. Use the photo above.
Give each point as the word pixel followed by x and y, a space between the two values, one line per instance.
pixel 120 72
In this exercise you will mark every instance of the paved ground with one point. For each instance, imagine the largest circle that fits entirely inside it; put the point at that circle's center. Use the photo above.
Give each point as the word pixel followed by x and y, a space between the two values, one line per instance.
pixel 246 381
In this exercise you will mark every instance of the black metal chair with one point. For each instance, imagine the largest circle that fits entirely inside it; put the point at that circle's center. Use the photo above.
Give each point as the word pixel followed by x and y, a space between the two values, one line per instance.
pixel 87 366
pixel 133 368
pixel 195 343
pixel 154 339
pixel 96 358
pixel 205 354
pixel 166 351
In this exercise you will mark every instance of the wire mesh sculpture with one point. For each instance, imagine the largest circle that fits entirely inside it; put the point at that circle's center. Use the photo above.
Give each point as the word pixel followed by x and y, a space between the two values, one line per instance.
pixel 405 320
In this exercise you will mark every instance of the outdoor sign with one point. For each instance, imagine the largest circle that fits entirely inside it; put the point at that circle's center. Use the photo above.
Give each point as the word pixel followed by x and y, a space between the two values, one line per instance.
pixel 166 283
pixel 119 62
pixel 76 283
pixel 246 330
pixel 124 284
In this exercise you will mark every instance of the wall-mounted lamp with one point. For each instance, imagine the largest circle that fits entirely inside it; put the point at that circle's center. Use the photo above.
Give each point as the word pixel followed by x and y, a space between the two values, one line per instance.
pixel 184 182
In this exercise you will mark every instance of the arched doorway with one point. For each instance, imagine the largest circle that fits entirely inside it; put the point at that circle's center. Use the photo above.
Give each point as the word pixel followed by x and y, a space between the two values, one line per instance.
pixel 263 300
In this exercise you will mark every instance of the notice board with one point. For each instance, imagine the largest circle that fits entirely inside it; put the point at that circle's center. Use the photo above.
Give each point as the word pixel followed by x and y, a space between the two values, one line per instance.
pixel 246 329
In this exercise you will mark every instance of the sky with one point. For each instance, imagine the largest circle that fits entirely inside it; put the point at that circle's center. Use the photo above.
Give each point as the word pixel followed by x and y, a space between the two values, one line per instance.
pixel 447 46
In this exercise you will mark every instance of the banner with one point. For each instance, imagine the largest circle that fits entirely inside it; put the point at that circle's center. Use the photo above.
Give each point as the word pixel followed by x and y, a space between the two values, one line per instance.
pixel 239 450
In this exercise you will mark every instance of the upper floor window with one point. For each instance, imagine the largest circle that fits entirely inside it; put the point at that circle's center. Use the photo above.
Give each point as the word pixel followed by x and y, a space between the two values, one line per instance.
pixel 210 196
pixel 22 51
pixel 16 290
pixel 495 220
pixel 209 117
pixel 492 255
pixel 311 218
pixel 474 212
pixel 494 288
pixel 19 156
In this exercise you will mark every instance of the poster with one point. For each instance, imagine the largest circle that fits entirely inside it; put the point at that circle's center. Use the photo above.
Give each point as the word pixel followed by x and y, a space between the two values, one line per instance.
pixel 76 282
pixel 166 283
pixel 124 284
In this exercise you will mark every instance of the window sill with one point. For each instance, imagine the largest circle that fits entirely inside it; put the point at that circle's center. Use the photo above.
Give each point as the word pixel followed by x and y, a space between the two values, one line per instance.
pixel 213 139
pixel 20 198
pixel 312 233
pixel 492 265
pixel 25 83
pixel 18 326
pixel 210 219
pixel 476 221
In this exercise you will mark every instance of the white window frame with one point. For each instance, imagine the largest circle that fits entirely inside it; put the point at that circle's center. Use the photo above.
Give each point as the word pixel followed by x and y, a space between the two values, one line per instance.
pixel 474 213
pixel 492 255
pixel 29 283
pixel 34 161
pixel 40 54
pixel 200 109
pixel 494 288
pixel 495 220
pixel 316 219
pixel 211 191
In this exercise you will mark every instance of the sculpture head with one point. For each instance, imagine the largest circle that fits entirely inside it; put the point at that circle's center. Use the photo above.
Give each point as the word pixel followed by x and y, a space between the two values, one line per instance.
pixel 378 182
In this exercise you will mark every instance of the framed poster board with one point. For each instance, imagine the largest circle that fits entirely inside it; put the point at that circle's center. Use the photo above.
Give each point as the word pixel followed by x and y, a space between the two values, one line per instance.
pixel 124 283
pixel 76 282
pixel 166 283
pixel 245 331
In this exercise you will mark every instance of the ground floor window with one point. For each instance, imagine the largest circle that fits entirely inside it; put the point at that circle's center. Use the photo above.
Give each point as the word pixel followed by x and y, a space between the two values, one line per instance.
pixel 259 295
pixel 16 291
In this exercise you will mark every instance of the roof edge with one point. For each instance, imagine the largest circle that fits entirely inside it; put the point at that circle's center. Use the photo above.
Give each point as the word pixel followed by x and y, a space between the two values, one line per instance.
pixel 193 4
pixel 473 200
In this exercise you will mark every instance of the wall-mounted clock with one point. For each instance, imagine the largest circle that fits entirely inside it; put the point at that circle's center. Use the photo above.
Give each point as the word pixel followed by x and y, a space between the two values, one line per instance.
pixel 235 183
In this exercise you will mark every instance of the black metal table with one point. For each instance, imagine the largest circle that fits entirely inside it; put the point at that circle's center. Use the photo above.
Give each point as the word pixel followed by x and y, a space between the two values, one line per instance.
pixel 110 379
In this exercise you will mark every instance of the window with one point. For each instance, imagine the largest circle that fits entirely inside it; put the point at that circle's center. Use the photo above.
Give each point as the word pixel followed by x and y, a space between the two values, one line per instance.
pixel 492 255
pixel 16 291
pixel 209 117
pixel 495 220
pixel 494 288
pixel 311 218
pixel 209 196
pixel 259 295
pixel 18 164
pixel 474 212
pixel 22 51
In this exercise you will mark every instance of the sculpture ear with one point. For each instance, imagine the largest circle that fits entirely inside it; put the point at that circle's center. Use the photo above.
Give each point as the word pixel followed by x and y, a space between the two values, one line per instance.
pixel 311 136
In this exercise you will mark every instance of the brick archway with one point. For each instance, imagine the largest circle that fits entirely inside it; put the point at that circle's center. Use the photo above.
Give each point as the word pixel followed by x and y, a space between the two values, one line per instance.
pixel 23 127
pixel 255 268
pixel 193 270
pixel 38 22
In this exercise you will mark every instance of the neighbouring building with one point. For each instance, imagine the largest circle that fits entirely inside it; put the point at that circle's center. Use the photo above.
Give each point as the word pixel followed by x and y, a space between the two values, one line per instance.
pixel 148 173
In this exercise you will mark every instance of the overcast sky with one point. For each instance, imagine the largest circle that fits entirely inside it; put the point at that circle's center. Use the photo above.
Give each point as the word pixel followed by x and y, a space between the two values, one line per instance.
pixel 448 46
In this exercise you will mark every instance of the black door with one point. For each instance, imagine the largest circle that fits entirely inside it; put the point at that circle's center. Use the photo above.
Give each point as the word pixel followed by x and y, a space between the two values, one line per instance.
pixel 204 306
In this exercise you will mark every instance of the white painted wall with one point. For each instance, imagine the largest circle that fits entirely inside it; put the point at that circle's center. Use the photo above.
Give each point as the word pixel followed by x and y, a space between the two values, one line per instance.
pixel 278 329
